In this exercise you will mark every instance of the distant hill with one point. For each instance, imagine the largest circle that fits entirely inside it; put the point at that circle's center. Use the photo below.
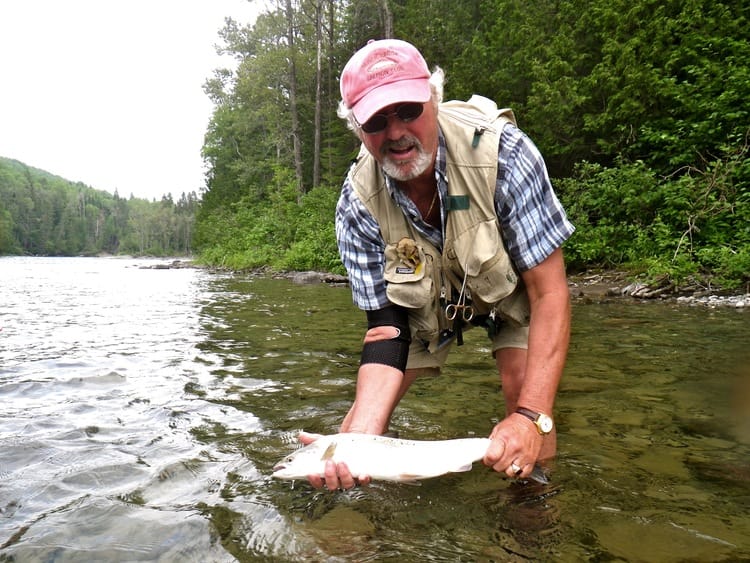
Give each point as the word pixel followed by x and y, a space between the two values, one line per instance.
pixel 44 214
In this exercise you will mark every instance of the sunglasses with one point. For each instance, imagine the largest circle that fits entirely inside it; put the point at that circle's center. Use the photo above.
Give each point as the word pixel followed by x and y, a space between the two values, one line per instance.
pixel 405 112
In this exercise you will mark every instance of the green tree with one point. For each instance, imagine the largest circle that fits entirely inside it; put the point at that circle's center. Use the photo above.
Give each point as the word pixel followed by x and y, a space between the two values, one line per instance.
pixel 42 214
pixel 639 109
pixel 7 242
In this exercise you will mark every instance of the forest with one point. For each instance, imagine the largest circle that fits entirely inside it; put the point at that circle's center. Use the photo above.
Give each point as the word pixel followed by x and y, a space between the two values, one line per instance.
pixel 639 107
pixel 45 215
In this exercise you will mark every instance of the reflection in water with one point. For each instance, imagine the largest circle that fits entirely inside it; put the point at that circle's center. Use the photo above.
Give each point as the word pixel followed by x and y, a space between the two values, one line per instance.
pixel 143 411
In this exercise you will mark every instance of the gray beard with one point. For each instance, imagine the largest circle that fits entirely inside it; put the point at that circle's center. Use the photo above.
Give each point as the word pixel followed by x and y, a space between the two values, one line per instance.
pixel 413 169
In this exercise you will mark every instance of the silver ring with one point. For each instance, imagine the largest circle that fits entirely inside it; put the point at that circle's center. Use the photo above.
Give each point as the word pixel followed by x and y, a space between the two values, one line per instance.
pixel 515 469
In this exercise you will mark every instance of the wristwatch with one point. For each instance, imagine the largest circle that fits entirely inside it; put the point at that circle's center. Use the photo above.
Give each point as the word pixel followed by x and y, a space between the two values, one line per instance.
pixel 542 421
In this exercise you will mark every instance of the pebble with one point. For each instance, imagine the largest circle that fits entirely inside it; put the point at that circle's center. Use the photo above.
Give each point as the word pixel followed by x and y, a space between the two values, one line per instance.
pixel 736 301
pixel 595 287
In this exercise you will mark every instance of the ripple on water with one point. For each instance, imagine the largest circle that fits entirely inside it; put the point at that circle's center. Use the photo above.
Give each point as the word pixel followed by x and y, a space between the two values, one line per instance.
pixel 98 449
pixel 143 411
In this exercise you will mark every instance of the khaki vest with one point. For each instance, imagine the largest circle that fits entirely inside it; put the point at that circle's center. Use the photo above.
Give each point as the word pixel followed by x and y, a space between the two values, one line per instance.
pixel 419 277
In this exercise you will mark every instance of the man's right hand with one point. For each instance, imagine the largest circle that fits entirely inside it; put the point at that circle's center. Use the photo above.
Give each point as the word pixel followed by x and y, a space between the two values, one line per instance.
pixel 337 475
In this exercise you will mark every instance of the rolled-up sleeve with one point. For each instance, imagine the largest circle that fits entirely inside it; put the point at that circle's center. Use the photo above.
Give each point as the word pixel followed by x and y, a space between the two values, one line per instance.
pixel 533 221
pixel 362 250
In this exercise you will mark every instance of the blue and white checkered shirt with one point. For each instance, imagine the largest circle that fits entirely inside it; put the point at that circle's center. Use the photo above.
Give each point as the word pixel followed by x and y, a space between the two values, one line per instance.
pixel 532 221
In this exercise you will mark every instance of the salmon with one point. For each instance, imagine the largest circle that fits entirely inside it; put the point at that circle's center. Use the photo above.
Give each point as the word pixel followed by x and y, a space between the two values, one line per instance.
pixel 387 459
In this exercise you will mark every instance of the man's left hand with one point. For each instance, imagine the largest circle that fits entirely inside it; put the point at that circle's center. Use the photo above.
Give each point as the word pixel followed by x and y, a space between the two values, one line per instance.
pixel 515 447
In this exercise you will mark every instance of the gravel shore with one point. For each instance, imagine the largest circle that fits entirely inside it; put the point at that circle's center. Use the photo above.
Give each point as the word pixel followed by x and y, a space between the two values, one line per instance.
pixel 602 286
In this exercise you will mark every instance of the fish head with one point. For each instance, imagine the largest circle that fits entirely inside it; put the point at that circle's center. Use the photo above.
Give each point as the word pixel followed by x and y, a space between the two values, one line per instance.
pixel 309 460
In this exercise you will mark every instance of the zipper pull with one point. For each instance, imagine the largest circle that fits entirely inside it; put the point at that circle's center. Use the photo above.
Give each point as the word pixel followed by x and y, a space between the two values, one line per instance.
pixel 477 133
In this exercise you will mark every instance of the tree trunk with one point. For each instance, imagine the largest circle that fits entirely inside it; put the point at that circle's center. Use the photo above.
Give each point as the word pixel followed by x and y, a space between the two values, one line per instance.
pixel 318 93
pixel 332 96
pixel 387 19
pixel 296 140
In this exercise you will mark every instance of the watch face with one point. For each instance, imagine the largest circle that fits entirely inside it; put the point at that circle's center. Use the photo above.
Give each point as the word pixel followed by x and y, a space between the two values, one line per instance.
pixel 545 423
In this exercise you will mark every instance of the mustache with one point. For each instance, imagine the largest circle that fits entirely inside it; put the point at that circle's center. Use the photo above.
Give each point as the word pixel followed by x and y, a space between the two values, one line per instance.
pixel 404 142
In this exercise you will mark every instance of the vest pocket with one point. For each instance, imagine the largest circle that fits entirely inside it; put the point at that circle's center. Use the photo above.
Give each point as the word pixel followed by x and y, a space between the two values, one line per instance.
pixel 406 271
pixel 479 252
pixel 409 273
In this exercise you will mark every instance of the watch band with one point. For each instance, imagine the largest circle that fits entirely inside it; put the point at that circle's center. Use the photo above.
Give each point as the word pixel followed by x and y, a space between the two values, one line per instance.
pixel 543 422
pixel 531 415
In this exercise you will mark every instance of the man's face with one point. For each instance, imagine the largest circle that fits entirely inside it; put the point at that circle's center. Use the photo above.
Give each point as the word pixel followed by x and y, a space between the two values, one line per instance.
pixel 405 150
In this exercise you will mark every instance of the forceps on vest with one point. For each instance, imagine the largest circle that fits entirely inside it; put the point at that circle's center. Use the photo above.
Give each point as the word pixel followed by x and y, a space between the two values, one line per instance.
pixel 460 307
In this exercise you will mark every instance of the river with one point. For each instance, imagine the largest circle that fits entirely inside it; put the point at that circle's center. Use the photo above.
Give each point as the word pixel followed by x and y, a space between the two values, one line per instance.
pixel 142 409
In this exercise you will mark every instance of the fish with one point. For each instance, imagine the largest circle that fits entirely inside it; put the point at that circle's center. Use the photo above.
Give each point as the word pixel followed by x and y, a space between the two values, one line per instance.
pixel 387 459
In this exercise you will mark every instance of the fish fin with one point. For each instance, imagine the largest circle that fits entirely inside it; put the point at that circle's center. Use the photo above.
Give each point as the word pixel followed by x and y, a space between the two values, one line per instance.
pixel 539 475
pixel 330 450
pixel 407 479
pixel 460 468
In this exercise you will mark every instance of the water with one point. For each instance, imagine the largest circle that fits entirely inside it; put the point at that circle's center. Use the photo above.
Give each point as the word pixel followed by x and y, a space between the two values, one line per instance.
pixel 141 411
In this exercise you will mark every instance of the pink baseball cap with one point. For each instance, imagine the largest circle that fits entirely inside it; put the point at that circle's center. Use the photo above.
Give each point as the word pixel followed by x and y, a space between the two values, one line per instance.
pixel 383 73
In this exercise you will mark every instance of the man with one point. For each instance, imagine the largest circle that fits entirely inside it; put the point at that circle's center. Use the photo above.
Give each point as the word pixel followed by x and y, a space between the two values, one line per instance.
pixel 446 206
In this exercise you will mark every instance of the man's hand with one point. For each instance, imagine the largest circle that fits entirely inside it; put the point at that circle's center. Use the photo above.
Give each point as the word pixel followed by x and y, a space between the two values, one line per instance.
pixel 515 447
pixel 337 476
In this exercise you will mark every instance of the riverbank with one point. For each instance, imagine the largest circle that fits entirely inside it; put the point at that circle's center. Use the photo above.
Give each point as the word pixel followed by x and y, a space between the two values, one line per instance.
pixel 606 285
pixel 596 287
pixel 592 286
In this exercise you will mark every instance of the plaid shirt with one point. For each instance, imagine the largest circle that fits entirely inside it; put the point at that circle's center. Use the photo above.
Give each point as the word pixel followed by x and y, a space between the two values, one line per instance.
pixel 532 221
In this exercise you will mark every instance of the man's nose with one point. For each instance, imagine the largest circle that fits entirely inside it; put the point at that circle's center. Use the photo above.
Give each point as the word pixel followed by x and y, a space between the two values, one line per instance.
pixel 395 128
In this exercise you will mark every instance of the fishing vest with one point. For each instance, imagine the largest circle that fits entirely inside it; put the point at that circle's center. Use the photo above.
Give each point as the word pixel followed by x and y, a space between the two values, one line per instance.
pixel 420 277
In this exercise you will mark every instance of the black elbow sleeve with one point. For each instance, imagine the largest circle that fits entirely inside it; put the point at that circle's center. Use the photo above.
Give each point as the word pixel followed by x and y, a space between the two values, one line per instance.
pixel 392 352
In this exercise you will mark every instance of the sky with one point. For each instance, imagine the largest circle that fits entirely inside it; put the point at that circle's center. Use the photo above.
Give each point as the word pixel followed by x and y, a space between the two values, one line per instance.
pixel 111 93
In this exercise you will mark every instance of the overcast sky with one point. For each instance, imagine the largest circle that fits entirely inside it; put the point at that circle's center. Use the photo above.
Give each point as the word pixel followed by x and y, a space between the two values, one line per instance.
pixel 110 93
